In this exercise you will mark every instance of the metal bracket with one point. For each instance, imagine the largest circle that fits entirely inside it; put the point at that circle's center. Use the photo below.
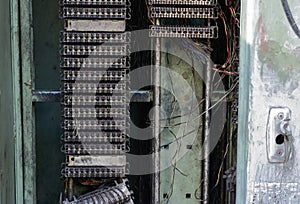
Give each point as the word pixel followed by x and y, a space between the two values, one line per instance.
pixel 46 96
pixel 279 135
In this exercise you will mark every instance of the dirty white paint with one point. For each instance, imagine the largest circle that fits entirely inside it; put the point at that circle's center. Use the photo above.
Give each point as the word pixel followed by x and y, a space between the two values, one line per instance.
pixel 274 72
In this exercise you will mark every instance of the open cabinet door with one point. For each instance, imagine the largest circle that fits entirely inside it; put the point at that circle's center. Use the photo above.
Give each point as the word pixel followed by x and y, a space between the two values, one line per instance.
pixel 10 125
pixel 268 149
pixel 6 110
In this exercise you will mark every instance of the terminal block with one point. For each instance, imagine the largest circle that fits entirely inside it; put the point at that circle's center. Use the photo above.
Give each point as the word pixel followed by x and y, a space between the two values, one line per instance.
pixel 94 63
pixel 96 125
pixel 116 113
pixel 184 32
pixel 93 13
pixel 174 12
pixel 94 100
pixel 94 137
pixel 95 87
pixel 94 38
pixel 95 50
pixel 206 10
pixel 95 76
pixel 94 172
pixel 94 149
pixel 93 2
pixel 184 2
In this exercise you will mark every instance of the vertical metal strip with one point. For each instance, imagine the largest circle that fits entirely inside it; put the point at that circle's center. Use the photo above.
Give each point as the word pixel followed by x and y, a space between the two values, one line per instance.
pixel 27 68
pixel 243 113
pixel 15 53
pixel 156 80
pixel 243 131
pixel 207 134
pixel 206 162
pixel 70 188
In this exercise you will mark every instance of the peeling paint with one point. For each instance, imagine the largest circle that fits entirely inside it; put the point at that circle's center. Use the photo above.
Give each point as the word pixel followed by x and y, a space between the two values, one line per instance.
pixel 274 67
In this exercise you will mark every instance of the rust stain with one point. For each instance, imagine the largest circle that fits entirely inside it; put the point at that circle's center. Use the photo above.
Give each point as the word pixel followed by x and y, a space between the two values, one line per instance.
pixel 263 37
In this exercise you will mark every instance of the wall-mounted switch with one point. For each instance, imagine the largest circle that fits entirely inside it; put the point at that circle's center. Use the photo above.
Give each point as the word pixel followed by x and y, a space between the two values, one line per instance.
pixel 279 135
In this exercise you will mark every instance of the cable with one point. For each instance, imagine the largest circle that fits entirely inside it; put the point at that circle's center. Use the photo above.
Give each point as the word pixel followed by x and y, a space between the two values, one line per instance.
pixel 148 10
pixel 171 189
pixel 221 167
pixel 290 17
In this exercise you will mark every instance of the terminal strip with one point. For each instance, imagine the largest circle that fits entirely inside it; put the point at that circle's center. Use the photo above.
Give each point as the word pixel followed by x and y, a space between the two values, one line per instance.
pixel 93 13
pixel 175 12
pixel 99 76
pixel 184 32
pixel 184 2
pixel 94 149
pixel 91 101
pixel 93 2
pixel 94 100
pixel 94 37
pixel 95 125
pixel 94 172
pixel 95 50
pixel 95 137
pixel 116 113
pixel 93 88
pixel 92 62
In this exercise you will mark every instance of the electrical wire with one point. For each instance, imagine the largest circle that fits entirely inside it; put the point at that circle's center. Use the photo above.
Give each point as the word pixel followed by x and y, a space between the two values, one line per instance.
pixel 221 166
pixel 290 17
pixel 197 190
pixel 170 192
pixel 148 10
pixel 179 138
pixel 213 106
pixel 227 39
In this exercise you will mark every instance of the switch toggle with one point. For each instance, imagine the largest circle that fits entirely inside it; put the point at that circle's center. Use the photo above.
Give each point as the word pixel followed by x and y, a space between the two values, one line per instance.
pixel 279 135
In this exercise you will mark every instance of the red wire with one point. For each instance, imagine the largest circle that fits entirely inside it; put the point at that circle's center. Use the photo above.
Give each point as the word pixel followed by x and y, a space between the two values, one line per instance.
pixel 148 12
pixel 224 71
pixel 227 39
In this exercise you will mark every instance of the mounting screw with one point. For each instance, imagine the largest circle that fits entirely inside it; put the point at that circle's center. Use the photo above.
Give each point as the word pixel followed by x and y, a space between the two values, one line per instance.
pixel 280 115
pixel 280 152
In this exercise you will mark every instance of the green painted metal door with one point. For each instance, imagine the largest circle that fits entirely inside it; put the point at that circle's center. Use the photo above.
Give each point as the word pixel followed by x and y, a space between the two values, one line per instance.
pixel 10 120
